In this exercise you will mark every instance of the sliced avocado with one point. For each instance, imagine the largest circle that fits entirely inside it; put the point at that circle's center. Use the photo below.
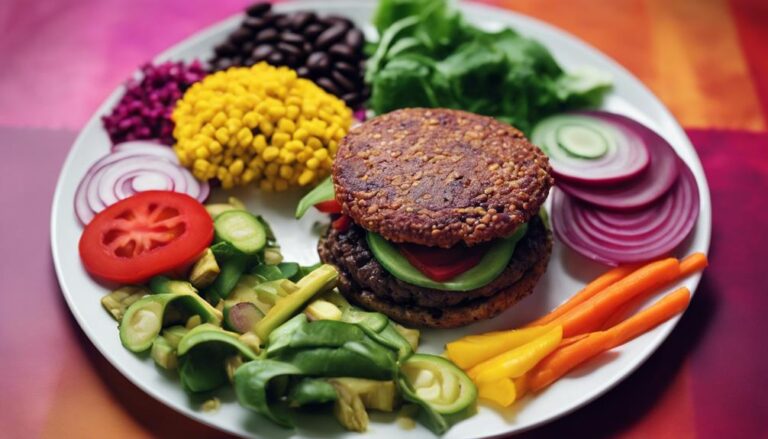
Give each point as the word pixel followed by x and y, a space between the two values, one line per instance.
pixel 323 278
pixel 322 192
pixel 217 209
pixel 164 354
pixel 174 334
pixel 119 300
pixel 375 395
pixel 205 270
pixel 208 333
pixel 411 335
pixel 322 310
pixel 165 285
pixel 374 321
pixel 245 291
pixel 493 262
pixel 144 319
pixel 273 291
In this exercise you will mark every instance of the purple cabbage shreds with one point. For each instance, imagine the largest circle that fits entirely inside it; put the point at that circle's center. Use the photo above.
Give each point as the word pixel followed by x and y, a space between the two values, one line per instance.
pixel 144 111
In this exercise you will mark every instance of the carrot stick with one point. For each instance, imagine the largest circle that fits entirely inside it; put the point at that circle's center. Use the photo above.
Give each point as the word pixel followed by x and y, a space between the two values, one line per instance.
pixel 571 340
pixel 568 357
pixel 592 313
pixel 693 263
pixel 599 284
pixel 688 265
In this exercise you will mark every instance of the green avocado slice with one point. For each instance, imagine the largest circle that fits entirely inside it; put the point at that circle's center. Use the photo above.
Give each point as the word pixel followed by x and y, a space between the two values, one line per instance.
pixel 489 268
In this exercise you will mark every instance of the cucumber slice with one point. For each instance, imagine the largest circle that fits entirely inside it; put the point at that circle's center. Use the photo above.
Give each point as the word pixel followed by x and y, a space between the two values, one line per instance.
pixel 581 140
pixel 242 230
pixel 489 268
pixel 569 138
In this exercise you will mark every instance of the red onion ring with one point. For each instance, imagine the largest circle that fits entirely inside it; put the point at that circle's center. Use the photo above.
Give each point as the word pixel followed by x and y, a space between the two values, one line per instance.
pixel 615 238
pixel 133 167
pixel 641 191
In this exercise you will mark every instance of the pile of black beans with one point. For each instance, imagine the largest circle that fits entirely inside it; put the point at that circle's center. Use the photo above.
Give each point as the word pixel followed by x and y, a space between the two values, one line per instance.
pixel 328 50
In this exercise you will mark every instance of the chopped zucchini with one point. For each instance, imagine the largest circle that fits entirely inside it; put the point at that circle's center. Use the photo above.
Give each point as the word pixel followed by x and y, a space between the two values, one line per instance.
pixel 119 300
pixel 322 310
pixel 205 270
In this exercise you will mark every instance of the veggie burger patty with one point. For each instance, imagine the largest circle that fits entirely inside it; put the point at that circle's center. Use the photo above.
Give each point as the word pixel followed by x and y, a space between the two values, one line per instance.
pixel 365 282
pixel 439 177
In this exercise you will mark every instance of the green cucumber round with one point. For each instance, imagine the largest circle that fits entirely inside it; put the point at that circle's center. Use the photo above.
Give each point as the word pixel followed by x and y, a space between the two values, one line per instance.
pixel 493 262
pixel 242 230
pixel 582 141
pixel 566 137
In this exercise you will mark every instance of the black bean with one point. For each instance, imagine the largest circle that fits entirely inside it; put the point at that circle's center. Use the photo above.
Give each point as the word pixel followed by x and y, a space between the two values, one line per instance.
pixel 292 38
pixel 266 35
pixel 313 30
pixel 342 81
pixel 261 52
pixel 342 51
pixel 249 62
pixel 283 21
pixel 330 36
pixel 318 62
pixel 354 39
pixel 333 20
pixel 327 85
pixel 276 58
pixel 225 49
pixel 302 71
pixel 222 64
pixel 255 23
pixel 240 36
pixel 247 48
pixel 347 70
pixel 306 47
pixel 350 98
pixel 237 60
pixel 300 19
pixel 289 49
pixel 258 9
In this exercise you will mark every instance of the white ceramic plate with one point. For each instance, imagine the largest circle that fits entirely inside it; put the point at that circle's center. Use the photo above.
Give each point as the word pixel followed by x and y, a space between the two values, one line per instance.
pixel 567 271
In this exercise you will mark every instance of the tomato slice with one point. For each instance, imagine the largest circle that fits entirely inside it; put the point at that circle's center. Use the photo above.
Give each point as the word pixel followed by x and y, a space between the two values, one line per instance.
pixel 144 235
pixel 342 223
pixel 329 206
pixel 442 264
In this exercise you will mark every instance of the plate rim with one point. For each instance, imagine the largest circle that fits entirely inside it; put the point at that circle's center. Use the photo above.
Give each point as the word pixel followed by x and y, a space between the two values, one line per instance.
pixel 468 7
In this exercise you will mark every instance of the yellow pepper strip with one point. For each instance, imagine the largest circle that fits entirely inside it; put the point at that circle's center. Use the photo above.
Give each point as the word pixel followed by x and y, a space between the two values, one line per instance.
pixel 518 361
pixel 503 392
pixel 471 350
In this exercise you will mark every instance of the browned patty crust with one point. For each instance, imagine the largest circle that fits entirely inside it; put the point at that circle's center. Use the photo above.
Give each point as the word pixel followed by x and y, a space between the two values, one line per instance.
pixel 365 282
pixel 439 177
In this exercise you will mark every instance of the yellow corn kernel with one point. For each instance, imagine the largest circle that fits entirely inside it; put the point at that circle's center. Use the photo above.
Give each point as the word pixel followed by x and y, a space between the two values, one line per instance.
pixel 279 139
pixel 270 153
pixel 248 176
pixel 257 163
pixel 245 136
pixel 215 147
pixel 303 156
pixel 219 120
pixel 266 127
pixel 222 135
pixel 287 157
pixel 276 112
pixel 313 163
pixel 236 168
pixel 221 173
pixel 201 165
pixel 317 128
pixel 286 172
pixel 280 184
pixel 314 143
pixel 300 134
pixel 294 146
pixel 259 143
pixel 333 146
pixel 202 152
pixel 271 170
pixel 286 125
pixel 306 177
pixel 251 119
pixel 321 154
pixel 292 112
pixel 266 185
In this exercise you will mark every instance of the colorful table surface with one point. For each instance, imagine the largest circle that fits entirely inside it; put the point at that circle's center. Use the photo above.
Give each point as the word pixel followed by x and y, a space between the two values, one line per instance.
pixel 708 61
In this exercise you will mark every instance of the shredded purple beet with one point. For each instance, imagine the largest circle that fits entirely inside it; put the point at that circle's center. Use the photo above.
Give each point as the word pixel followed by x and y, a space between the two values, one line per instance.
pixel 144 111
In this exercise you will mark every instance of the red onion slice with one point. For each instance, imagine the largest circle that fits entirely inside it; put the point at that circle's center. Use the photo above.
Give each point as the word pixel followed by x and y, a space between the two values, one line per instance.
pixel 615 238
pixel 641 191
pixel 133 167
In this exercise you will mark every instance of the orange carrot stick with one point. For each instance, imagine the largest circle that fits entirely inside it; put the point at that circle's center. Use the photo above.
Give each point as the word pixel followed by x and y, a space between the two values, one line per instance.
pixel 571 340
pixel 592 313
pixel 688 265
pixel 566 358
pixel 599 284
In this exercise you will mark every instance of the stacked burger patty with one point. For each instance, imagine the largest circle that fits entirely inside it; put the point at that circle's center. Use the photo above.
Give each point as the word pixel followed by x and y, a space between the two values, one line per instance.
pixel 438 178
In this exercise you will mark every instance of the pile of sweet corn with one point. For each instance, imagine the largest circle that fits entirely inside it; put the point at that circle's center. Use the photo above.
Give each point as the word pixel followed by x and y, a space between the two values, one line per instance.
pixel 259 124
